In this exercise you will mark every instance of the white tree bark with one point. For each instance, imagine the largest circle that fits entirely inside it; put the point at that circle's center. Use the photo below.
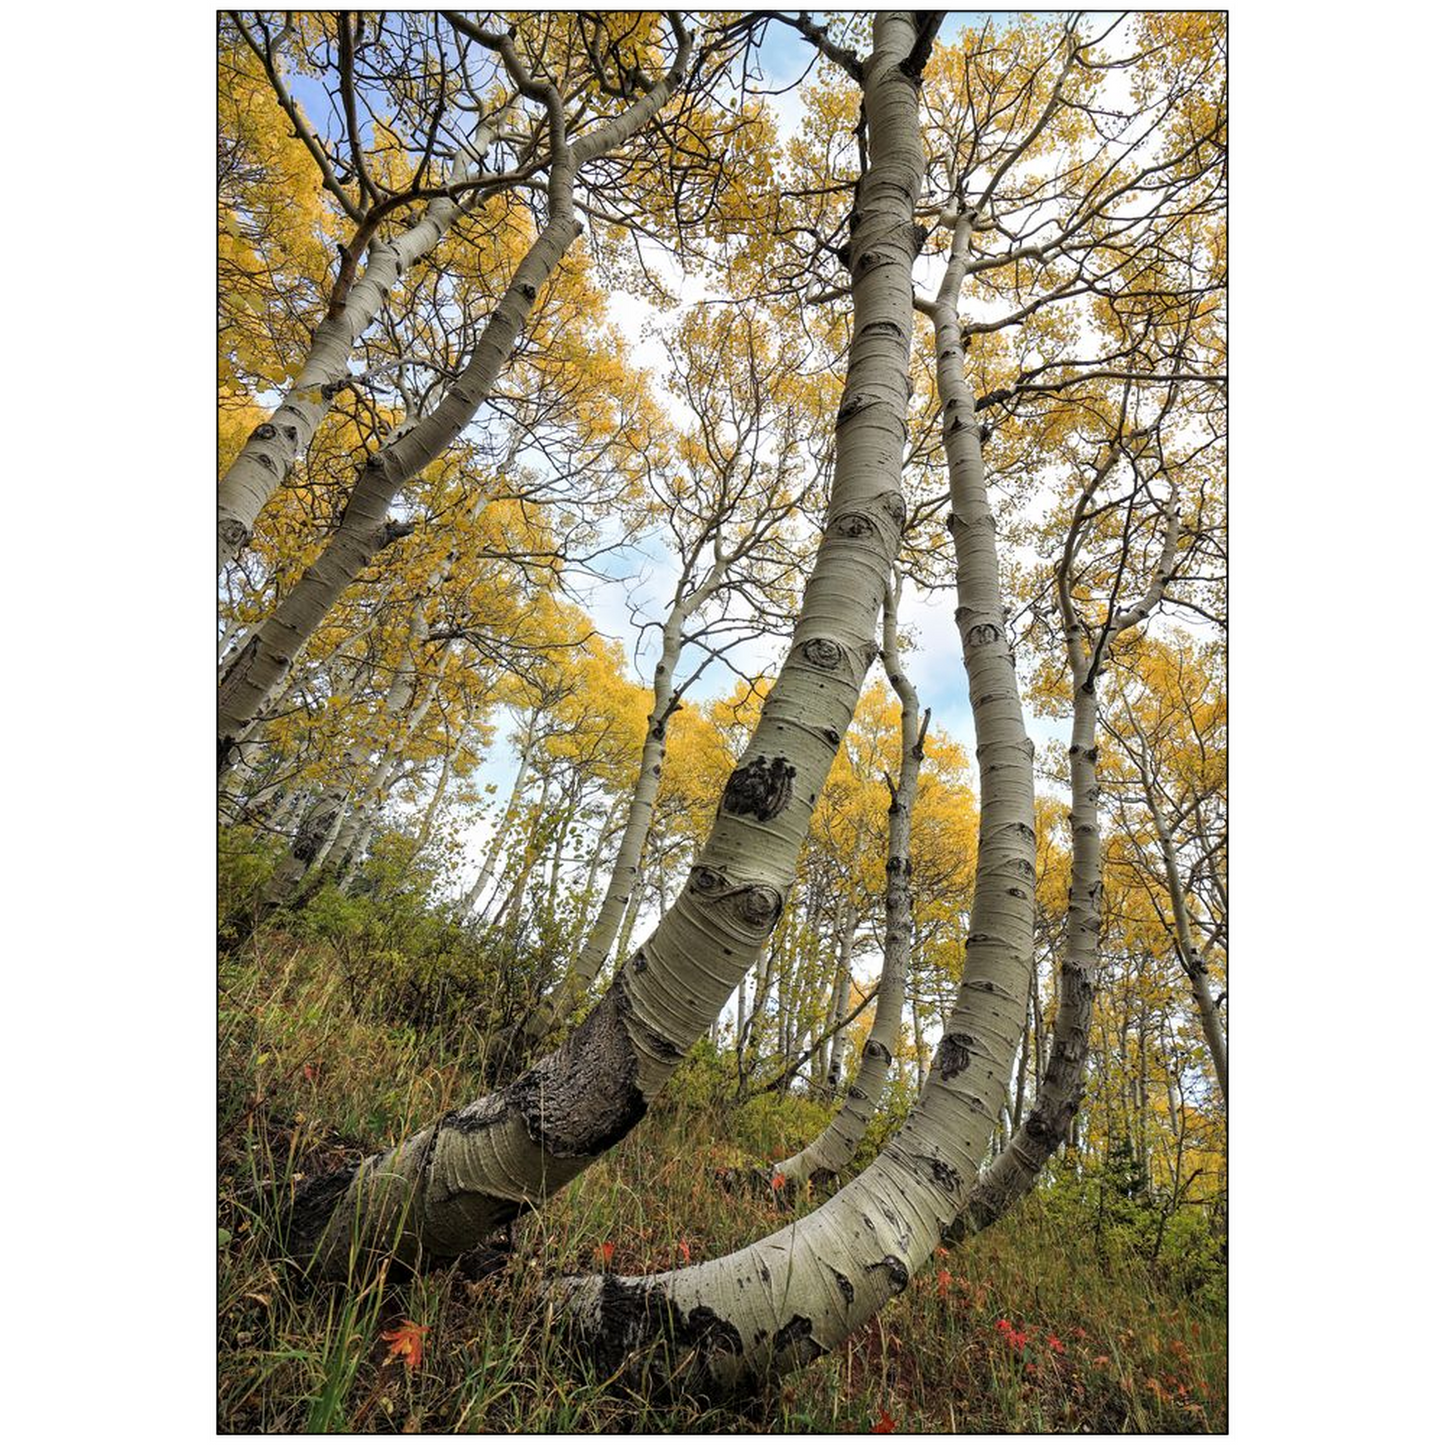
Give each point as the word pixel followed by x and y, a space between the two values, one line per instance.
pixel 330 825
pixel 505 824
pixel 799 1293
pixel 842 991
pixel 623 881
pixel 1189 957
pixel 1013 1173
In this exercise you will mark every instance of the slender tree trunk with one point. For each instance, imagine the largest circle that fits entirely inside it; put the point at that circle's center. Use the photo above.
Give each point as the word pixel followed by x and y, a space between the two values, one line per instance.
pixel 833 1150
pixel 809 1055
pixel 629 921
pixel 445 1189
pixel 610 825
pixel 920 1067
pixel 842 993
pixel 1193 964
pixel 1011 1175
pixel 248 757
pixel 380 779
pixel 624 880
pixel 508 820
pixel 1016 1113
pixel 332 805
pixel 760 998
pixel 428 821
pixel 1038 1030
pixel 508 914
pixel 560 828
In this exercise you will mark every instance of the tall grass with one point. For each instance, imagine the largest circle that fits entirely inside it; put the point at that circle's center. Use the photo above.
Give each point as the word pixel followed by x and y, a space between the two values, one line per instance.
pixel 1037 1325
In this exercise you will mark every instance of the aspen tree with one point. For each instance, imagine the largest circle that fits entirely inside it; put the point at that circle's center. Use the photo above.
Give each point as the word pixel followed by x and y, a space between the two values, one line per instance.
pixel 726 516
pixel 1175 697
pixel 274 444
pixel 799 1293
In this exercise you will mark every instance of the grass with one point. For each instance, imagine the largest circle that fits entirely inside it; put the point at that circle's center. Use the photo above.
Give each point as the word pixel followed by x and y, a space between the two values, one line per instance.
pixel 312 1074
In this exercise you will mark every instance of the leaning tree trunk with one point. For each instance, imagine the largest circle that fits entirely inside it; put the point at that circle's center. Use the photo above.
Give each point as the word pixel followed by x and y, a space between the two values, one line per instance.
pixel 364 529
pixel 504 826
pixel 799 1293
pixel 833 1150
pixel 275 445
pixel 249 744
pixel 444 1190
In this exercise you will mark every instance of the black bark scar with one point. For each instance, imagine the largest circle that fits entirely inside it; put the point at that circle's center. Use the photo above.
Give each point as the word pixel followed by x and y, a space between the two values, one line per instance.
pixel 762 788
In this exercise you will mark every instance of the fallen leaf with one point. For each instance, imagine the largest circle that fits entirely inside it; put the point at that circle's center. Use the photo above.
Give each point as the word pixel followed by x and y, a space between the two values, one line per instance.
pixel 405 1342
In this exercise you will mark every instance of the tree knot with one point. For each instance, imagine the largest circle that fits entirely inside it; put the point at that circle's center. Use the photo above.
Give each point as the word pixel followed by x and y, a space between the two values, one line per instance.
pixel 761 788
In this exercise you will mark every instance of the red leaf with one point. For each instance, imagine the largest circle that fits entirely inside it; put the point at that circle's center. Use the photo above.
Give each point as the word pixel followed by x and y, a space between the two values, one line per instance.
pixel 405 1342
pixel 886 1424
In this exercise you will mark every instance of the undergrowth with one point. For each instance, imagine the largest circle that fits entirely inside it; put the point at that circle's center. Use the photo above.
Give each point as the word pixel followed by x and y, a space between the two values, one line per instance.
pixel 1060 1318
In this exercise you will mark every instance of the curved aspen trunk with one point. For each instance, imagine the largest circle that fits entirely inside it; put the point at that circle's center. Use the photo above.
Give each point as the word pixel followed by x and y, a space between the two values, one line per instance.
pixel 833 1150
pixel 797 1294
pixel 364 529
pixel 1012 1174
pixel 444 1190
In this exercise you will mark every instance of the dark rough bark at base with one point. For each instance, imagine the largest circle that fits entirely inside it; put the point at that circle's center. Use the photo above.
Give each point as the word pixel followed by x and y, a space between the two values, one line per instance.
pixel 574 1105
pixel 311 1209
pixel 650 1345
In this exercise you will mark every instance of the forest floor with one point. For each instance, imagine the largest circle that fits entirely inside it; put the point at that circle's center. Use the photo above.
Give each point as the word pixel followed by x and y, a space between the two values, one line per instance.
pixel 1043 1323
